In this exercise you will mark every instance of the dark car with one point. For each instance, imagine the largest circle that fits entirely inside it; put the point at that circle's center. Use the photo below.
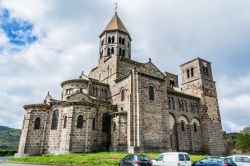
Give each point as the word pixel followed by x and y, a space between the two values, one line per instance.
pixel 136 160
pixel 215 161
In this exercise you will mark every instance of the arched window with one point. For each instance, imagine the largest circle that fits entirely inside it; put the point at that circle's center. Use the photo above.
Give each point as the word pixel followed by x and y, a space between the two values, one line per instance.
pixel 207 71
pixel 122 95
pixel 114 126
pixel 120 40
pixel 186 107
pixel 195 127
pixel 169 103
pixel 65 122
pixel 112 50
pixel 109 39
pixel 123 40
pixel 151 93
pixel 173 103
pixel 192 72
pixel 109 51
pixel 37 123
pixel 113 39
pixel 105 93
pixel 188 73
pixel 79 121
pixel 182 126
pixel 96 91
pixel 93 124
pixel 120 51
pixel 123 52
pixel 105 122
pixel 54 120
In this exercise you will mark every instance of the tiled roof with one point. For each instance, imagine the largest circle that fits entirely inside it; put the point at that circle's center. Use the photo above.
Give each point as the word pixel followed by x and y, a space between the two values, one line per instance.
pixel 116 24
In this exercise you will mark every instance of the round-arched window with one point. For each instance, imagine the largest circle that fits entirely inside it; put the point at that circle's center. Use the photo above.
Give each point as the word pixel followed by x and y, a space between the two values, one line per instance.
pixel 151 93
pixel 37 123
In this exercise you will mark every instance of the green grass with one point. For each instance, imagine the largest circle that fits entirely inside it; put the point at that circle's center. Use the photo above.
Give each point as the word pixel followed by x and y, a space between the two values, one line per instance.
pixel 86 159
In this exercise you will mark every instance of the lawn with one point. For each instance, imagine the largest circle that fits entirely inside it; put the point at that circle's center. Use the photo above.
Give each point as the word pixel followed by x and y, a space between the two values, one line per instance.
pixel 86 159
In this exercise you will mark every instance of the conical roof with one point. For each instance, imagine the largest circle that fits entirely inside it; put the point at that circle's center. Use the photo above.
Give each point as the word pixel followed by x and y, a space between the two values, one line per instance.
pixel 115 24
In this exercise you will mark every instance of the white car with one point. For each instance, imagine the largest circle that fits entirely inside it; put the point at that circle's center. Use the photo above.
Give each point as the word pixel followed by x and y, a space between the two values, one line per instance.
pixel 173 159
pixel 241 160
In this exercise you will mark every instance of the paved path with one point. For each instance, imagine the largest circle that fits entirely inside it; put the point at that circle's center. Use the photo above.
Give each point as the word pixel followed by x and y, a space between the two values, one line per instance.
pixel 3 162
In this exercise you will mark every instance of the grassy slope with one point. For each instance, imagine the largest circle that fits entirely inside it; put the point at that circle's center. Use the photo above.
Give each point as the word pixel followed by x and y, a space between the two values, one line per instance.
pixel 88 159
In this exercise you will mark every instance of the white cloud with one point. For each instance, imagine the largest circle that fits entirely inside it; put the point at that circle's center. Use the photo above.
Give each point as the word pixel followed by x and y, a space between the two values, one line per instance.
pixel 169 31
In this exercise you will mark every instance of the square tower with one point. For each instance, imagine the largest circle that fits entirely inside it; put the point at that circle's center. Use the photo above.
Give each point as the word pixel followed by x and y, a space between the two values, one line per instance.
pixel 197 80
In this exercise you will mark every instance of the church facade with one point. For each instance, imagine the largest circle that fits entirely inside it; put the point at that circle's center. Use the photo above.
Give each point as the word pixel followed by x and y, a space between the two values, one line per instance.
pixel 125 105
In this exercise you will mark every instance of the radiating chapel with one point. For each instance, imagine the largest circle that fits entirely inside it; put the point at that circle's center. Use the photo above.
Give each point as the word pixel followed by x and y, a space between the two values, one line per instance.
pixel 127 106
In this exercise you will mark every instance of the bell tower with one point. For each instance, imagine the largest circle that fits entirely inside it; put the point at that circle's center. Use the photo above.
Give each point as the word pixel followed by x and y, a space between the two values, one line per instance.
pixel 115 40
pixel 197 80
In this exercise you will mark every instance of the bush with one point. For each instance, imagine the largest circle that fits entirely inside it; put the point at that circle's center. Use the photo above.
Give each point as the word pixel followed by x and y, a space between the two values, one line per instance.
pixel 8 152
pixel 243 140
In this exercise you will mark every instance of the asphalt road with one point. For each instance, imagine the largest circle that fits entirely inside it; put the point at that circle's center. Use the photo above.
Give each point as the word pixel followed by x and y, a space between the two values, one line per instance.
pixel 3 162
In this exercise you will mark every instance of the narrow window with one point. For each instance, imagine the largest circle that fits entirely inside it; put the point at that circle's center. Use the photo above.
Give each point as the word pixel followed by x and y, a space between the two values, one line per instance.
pixel 188 73
pixel 151 93
pixel 54 120
pixel 169 103
pixel 65 122
pixel 207 71
pixel 96 91
pixel 192 72
pixel 109 51
pixel 114 126
pixel 171 83
pixel 182 126
pixel 79 122
pixel 122 95
pixel 173 103
pixel 204 70
pixel 112 50
pixel 123 40
pixel 105 93
pixel 93 124
pixel 109 39
pixel 105 122
pixel 120 51
pixel 195 127
pixel 37 123
pixel 123 52
pixel 113 39
pixel 120 40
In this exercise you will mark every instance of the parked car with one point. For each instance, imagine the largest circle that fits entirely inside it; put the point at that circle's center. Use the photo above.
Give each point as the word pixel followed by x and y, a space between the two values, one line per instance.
pixel 172 159
pixel 136 160
pixel 215 161
pixel 241 160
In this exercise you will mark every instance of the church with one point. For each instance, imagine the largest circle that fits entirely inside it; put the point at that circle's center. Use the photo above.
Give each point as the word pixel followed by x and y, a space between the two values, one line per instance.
pixel 127 106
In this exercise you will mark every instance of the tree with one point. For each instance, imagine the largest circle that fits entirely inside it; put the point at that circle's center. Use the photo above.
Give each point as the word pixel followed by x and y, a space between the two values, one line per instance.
pixel 243 140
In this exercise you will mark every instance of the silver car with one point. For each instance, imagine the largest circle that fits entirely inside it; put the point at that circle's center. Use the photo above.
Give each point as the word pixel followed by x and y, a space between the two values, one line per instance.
pixel 241 160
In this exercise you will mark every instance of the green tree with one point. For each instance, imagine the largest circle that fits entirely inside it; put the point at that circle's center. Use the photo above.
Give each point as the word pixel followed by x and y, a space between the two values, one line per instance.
pixel 243 140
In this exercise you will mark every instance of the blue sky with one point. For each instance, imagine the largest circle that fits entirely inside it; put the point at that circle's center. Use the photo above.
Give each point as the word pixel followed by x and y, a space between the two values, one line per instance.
pixel 43 44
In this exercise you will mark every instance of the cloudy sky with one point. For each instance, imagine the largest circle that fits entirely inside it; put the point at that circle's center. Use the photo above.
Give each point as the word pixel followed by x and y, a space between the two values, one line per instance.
pixel 43 43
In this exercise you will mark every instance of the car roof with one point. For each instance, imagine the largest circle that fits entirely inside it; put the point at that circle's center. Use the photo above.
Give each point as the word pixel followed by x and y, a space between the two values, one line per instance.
pixel 174 153
pixel 239 155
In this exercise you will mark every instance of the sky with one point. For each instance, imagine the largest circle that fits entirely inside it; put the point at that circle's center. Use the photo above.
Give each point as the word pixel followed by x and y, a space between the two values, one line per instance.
pixel 43 43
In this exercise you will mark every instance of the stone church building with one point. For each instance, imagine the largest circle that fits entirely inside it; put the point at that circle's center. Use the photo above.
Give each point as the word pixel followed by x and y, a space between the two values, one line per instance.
pixel 125 105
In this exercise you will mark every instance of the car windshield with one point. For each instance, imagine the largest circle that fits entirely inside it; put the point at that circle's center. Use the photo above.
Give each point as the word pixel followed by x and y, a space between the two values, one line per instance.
pixel 229 161
pixel 143 158
pixel 242 159
pixel 215 160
